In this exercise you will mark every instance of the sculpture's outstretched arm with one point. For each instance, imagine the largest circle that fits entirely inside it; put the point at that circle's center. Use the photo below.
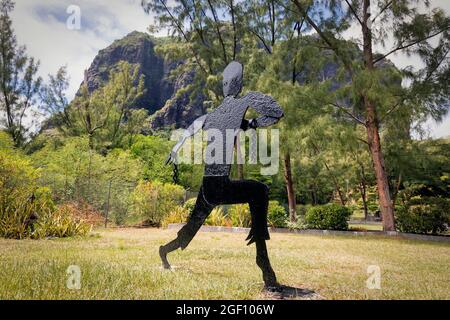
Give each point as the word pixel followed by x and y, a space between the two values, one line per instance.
pixel 266 106
pixel 195 126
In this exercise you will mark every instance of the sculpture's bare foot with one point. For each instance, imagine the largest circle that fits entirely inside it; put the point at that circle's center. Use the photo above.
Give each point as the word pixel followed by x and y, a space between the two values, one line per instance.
pixel 163 256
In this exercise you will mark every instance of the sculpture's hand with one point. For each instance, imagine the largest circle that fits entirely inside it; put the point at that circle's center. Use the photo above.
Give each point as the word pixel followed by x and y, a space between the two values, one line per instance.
pixel 172 158
pixel 249 124
pixel 266 106
pixel 252 124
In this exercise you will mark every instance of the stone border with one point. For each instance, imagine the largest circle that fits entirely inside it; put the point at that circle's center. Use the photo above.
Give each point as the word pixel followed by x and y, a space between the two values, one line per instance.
pixel 394 234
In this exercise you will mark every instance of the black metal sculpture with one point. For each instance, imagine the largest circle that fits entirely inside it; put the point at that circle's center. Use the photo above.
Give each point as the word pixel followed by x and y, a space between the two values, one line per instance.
pixel 217 188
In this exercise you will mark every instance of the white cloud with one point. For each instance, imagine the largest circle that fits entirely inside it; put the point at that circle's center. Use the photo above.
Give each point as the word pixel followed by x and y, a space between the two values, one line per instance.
pixel 41 26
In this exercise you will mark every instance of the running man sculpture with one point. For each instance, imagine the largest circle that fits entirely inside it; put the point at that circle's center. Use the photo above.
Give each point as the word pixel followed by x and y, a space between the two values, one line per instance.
pixel 217 188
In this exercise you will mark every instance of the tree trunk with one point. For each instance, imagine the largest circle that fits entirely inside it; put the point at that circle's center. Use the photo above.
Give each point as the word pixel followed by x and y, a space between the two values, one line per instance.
pixel 387 209
pixel 397 189
pixel 290 187
pixel 372 127
pixel 362 190
pixel 341 196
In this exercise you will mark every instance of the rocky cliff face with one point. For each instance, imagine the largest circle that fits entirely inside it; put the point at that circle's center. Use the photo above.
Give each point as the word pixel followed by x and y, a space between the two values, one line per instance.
pixel 181 109
pixel 163 98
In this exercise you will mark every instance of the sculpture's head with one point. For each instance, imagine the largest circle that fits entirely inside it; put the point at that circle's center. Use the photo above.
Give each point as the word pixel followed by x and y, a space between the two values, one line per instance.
pixel 232 79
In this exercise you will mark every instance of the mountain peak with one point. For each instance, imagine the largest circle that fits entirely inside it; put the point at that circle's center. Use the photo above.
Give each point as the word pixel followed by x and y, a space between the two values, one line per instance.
pixel 160 95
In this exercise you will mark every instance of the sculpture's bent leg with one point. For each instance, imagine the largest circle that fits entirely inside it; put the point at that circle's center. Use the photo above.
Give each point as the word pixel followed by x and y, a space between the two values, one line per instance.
pixel 201 211
pixel 258 202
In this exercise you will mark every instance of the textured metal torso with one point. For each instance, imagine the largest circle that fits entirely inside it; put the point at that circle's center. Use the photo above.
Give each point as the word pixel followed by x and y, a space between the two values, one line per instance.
pixel 228 115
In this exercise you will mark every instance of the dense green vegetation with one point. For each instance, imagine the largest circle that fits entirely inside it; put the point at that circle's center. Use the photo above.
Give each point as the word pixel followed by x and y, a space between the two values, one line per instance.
pixel 347 135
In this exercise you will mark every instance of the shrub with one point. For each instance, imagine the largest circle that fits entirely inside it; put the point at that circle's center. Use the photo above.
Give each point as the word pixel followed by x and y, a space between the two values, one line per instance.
pixel 21 199
pixel 62 222
pixel 6 142
pixel 277 215
pixel 81 210
pixel 301 209
pixel 17 219
pixel 300 224
pixel 178 215
pixel 26 209
pixel 424 215
pixel 217 218
pixel 153 201
pixel 190 204
pixel 329 216
pixel 240 215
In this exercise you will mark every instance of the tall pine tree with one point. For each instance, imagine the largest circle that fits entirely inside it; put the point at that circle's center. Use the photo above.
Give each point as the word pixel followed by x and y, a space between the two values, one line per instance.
pixel 19 84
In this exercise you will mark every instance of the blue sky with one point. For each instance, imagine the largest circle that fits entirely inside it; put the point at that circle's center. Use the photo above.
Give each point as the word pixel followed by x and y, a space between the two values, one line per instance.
pixel 41 26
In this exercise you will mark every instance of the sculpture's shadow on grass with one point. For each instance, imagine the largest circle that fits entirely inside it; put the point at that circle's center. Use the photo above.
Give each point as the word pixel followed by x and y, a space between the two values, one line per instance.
pixel 293 293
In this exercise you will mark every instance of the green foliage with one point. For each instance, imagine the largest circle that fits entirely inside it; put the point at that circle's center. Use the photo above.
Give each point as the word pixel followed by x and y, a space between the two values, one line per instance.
pixel 217 218
pixel 277 215
pixel 18 184
pixel 102 115
pixel 74 172
pixel 240 215
pixel 20 84
pixel 178 215
pixel 430 216
pixel 70 170
pixel 328 217
pixel 60 223
pixel 302 209
pixel 54 100
pixel 26 209
pixel 190 204
pixel 423 211
pixel 153 152
pixel 6 142
pixel 153 201
pixel 121 174
pixel 424 163
pixel 300 224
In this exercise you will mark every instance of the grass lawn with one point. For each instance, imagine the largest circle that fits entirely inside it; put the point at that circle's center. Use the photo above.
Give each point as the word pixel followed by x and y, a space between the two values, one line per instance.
pixel 124 264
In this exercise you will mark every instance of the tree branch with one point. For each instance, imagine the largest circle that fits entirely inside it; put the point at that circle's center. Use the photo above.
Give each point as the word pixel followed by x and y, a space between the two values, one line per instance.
pixel 402 47
pixel 323 36
pixel 363 141
pixel 354 12
pixel 430 72
pixel 233 22
pixel 395 107
pixel 184 35
pixel 382 10
pixel 262 40
pixel 348 113
pixel 216 22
